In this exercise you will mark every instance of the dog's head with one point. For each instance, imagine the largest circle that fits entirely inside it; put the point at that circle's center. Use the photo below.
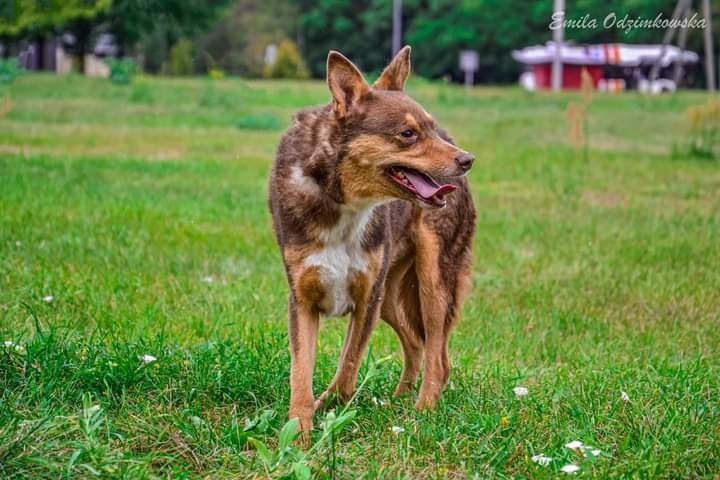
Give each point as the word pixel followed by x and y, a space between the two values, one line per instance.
pixel 393 147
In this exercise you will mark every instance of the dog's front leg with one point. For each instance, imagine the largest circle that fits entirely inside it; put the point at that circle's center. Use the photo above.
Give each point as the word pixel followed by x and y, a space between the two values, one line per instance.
pixel 438 304
pixel 303 328
pixel 367 291
pixel 342 386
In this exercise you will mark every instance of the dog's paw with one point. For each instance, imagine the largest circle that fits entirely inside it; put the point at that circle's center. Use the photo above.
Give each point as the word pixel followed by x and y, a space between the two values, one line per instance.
pixel 305 425
pixel 304 440
pixel 403 389
pixel 327 399
pixel 425 402
pixel 331 397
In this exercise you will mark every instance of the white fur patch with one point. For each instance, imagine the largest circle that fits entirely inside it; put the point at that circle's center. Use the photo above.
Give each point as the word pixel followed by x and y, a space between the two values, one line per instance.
pixel 302 181
pixel 342 258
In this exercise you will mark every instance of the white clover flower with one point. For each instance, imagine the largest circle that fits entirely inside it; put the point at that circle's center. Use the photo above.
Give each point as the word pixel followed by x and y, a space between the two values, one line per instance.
pixel 575 445
pixel 624 396
pixel 208 279
pixel 18 243
pixel 595 452
pixel 570 469
pixel 48 298
pixel 147 359
pixel 397 430
pixel 541 459
pixel 16 346
pixel 520 391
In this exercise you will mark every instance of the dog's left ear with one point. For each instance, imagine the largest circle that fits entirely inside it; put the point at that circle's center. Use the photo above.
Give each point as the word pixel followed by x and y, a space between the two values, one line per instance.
pixel 395 74
pixel 347 84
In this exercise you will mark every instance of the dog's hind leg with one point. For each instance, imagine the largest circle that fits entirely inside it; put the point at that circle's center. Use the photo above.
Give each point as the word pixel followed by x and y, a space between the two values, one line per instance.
pixel 401 310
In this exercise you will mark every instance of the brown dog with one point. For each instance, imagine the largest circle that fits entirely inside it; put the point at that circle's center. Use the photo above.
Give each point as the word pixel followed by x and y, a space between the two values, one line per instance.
pixel 374 218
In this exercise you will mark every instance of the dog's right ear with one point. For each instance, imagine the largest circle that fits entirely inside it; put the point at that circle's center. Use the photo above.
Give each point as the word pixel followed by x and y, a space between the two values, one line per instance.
pixel 346 83
pixel 395 74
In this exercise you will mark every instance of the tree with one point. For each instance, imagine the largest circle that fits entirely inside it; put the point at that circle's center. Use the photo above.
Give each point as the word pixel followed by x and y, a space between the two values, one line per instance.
pixel 237 42
pixel 127 20
pixel 360 30
pixel 23 17
pixel 130 20
pixel 38 18
pixel 439 29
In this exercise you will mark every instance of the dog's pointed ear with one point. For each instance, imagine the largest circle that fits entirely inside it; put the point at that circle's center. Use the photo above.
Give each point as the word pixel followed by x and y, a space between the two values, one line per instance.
pixel 346 83
pixel 395 74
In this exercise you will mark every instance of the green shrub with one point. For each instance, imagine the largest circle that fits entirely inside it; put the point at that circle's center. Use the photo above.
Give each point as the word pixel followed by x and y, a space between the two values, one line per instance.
pixel 9 70
pixel 121 70
pixel 288 64
pixel 181 58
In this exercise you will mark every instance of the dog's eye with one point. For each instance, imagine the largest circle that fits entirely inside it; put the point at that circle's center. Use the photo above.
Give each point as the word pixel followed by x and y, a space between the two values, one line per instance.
pixel 409 133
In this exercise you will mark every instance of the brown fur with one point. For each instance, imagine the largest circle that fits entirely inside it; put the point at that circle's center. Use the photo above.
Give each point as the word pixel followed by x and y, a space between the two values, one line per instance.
pixel 354 242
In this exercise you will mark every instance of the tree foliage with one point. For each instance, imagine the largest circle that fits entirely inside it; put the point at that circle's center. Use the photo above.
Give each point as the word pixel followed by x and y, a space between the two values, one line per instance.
pixel 237 42
pixel 23 17
pixel 130 20
pixel 232 35
pixel 439 29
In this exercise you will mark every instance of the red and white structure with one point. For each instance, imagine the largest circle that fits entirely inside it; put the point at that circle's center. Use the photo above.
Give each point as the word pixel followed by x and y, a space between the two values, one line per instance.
pixel 611 67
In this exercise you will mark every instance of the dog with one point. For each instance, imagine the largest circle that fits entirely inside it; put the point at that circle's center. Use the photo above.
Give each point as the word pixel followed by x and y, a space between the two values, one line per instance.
pixel 374 218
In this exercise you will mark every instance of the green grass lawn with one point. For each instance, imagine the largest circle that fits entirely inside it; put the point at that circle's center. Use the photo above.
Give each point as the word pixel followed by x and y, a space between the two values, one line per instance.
pixel 133 222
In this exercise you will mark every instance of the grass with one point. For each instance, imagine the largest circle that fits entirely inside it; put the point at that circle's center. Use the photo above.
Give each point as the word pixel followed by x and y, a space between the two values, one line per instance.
pixel 141 210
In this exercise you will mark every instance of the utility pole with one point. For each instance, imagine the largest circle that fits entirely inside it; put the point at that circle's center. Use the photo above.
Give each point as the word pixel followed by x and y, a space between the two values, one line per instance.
pixel 558 38
pixel 397 27
pixel 709 55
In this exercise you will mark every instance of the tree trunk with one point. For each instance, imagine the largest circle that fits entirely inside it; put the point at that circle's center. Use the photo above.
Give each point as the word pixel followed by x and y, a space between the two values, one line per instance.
pixel 82 33
pixel 40 52
pixel 81 49
pixel 5 41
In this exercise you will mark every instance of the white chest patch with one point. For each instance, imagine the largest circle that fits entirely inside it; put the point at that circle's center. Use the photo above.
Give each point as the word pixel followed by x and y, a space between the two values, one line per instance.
pixel 341 259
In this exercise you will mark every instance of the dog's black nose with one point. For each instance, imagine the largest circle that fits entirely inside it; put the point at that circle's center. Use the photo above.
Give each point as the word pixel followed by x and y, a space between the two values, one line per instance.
pixel 465 160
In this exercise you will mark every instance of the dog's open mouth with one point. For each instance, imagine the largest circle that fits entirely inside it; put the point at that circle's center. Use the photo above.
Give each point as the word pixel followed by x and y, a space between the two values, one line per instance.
pixel 421 185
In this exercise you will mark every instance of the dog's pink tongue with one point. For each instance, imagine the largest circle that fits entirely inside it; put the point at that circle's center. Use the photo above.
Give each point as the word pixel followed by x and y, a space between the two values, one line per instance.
pixel 426 187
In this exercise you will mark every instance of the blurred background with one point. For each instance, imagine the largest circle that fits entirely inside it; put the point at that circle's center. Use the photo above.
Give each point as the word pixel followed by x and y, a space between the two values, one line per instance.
pixel 290 39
